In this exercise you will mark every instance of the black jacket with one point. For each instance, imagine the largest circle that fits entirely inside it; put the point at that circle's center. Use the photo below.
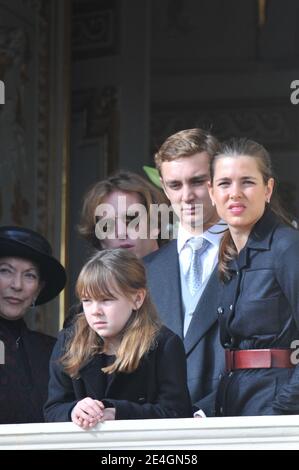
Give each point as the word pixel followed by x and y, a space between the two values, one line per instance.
pixel 24 375
pixel 156 389
pixel 260 309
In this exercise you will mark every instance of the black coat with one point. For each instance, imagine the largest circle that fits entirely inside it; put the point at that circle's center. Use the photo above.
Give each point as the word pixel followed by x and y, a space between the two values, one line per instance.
pixel 204 353
pixel 24 375
pixel 156 389
pixel 260 309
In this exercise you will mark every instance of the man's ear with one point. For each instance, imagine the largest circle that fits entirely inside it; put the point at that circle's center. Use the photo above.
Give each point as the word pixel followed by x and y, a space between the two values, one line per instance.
pixel 210 189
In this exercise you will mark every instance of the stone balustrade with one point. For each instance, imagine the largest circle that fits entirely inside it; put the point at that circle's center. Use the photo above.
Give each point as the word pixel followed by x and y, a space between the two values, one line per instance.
pixel 262 432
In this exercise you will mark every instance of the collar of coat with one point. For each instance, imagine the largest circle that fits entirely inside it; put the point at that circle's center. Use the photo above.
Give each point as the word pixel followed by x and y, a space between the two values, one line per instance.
pixel 259 239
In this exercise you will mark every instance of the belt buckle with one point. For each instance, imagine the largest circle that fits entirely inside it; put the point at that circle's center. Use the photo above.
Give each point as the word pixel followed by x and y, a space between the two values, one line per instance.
pixel 229 360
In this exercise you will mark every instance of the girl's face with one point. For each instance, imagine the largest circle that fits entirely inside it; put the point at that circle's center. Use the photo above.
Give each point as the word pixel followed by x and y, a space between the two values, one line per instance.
pixel 19 286
pixel 108 316
pixel 239 191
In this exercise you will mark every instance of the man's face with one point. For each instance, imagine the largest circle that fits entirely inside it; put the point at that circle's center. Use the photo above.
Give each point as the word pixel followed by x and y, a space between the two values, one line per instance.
pixel 185 183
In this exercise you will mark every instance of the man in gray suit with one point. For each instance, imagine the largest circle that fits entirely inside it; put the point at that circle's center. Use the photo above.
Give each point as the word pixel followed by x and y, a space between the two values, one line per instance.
pixel 182 275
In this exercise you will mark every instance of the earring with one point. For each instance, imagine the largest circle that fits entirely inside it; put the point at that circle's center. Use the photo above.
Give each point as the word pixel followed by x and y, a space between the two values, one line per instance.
pixel 33 303
pixel 213 203
pixel 268 200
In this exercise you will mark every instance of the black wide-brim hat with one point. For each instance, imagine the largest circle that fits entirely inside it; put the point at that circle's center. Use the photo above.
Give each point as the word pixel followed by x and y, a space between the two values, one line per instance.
pixel 24 243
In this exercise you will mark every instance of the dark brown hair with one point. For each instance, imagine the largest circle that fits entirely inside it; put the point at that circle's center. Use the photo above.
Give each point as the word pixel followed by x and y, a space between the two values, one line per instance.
pixel 236 148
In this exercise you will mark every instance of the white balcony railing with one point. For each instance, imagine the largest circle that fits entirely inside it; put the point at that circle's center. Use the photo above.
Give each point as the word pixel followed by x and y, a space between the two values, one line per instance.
pixel 262 432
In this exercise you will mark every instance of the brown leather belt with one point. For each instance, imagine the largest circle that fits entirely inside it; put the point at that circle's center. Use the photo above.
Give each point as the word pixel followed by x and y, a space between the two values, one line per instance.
pixel 257 358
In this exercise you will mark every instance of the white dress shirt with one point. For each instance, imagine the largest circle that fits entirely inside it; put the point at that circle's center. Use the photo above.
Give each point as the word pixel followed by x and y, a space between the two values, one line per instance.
pixel 209 259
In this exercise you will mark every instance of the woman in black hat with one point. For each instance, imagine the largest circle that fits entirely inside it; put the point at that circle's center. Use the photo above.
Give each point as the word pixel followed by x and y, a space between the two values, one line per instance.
pixel 29 275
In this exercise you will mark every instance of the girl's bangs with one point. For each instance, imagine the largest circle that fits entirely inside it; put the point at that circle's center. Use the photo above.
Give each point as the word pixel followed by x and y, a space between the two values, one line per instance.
pixel 96 284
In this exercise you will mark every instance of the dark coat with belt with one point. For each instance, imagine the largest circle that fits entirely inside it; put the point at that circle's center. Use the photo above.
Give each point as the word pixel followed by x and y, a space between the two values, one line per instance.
pixel 156 389
pixel 24 375
pixel 204 353
pixel 260 309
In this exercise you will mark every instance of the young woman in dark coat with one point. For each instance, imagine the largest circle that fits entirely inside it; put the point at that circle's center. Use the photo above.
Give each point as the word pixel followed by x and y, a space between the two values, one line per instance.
pixel 29 275
pixel 259 312
pixel 116 228
pixel 116 361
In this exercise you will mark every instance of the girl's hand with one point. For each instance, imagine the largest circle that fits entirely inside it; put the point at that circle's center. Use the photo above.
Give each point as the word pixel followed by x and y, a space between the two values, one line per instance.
pixel 108 415
pixel 87 412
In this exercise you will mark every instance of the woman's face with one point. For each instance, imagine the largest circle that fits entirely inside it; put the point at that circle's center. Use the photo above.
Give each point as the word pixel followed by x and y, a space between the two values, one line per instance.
pixel 128 219
pixel 239 191
pixel 19 286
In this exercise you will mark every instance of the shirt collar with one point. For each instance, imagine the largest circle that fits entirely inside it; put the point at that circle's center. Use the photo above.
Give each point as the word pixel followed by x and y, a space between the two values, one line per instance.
pixel 214 235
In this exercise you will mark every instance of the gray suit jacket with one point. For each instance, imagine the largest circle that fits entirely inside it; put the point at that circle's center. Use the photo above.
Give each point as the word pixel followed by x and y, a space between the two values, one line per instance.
pixel 204 353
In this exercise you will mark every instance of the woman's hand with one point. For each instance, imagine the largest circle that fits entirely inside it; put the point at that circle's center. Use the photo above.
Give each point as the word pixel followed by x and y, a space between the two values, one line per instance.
pixel 88 412
pixel 109 414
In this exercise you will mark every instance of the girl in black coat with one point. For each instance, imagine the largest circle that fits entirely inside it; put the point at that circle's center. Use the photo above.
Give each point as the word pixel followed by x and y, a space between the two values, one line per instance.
pixel 259 312
pixel 28 275
pixel 116 361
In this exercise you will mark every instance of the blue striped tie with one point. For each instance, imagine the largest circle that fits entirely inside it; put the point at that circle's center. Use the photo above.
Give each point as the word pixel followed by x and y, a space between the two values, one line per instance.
pixel 195 271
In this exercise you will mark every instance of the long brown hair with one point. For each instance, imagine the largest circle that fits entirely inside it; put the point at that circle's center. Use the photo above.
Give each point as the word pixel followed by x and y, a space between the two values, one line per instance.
pixel 106 274
pixel 236 148
pixel 124 181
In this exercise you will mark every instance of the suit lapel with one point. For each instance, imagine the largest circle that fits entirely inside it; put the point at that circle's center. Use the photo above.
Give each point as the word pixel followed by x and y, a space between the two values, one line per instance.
pixel 205 314
pixel 170 298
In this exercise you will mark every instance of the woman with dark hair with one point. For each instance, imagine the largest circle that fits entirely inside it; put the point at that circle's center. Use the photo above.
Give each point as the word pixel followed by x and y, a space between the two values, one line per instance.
pixel 29 275
pixel 258 264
